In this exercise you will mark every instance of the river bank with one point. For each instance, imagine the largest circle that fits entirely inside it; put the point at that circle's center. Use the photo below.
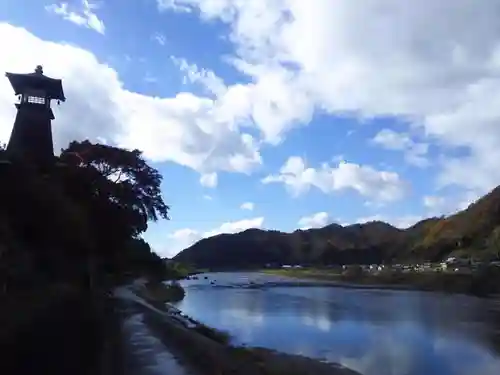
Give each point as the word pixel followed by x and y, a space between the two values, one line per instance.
pixel 210 351
pixel 482 283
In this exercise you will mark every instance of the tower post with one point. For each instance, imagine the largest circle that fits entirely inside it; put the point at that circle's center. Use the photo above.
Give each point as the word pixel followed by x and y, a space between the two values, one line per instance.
pixel 31 136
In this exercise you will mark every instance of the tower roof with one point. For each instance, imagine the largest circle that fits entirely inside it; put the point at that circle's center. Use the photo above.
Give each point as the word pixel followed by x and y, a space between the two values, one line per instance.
pixel 37 80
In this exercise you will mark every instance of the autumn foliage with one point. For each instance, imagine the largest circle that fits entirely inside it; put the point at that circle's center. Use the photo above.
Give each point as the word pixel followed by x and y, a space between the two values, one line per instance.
pixel 471 233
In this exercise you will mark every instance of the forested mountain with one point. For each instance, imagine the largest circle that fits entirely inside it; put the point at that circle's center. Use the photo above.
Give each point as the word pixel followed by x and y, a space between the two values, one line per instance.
pixel 472 232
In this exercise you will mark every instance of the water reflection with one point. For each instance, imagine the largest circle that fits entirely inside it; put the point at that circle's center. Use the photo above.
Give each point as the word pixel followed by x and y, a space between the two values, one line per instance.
pixel 376 332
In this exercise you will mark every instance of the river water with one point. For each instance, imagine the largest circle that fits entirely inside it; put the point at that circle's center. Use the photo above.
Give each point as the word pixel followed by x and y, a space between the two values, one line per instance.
pixel 373 331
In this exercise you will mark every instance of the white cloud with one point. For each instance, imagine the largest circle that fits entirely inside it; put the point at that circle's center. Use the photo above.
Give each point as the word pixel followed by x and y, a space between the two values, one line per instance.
pixel 159 38
pixel 178 241
pixel 150 79
pixel 205 77
pixel 445 205
pixel 186 237
pixel 209 180
pixel 317 220
pixel 401 222
pixel 434 202
pixel 208 197
pixel 236 226
pixel 86 17
pixel 247 206
pixel 367 181
pixel 435 65
pixel 184 129
pixel 415 152
pixel 173 4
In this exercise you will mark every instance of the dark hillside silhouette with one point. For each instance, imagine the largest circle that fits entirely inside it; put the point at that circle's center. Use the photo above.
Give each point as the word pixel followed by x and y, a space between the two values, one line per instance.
pixel 474 232
pixel 70 229
pixel 67 236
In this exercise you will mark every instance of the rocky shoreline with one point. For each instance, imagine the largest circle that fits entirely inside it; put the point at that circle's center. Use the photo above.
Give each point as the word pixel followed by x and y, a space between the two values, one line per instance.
pixel 210 352
pixel 480 284
pixel 212 357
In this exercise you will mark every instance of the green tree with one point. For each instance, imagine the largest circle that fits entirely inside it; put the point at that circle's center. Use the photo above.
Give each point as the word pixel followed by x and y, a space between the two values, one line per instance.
pixel 39 225
pixel 120 175
pixel 83 218
pixel 120 193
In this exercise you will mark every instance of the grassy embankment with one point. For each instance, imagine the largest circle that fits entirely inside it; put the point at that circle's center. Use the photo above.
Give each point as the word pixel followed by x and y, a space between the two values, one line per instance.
pixel 479 283
pixel 210 352
pixel 161 293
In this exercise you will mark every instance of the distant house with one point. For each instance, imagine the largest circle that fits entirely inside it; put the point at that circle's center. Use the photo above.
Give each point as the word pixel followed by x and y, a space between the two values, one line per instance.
pixel 455 263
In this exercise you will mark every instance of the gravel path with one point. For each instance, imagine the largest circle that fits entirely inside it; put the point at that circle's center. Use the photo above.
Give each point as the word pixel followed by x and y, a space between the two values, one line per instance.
pixel 145 354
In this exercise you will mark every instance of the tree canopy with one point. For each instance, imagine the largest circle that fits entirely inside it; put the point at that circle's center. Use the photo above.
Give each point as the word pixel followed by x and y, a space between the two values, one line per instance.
pixel 91 208
pixel 120 175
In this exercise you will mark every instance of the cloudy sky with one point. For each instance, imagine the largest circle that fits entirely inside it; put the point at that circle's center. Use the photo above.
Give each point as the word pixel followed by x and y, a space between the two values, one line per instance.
pixel 278 114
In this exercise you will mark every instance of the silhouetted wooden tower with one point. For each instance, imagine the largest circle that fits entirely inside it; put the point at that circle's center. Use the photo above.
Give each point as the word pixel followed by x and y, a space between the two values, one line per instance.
pixel 31 136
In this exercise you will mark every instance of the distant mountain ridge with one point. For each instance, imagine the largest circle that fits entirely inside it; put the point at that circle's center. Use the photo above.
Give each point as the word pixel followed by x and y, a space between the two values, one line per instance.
pixel 467 232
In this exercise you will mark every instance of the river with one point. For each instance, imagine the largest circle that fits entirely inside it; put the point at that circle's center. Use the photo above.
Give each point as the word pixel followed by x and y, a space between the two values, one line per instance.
pixel 373 331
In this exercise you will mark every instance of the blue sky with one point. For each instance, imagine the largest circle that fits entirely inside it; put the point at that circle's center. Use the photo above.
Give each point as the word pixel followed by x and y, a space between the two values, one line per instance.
pixel 308 113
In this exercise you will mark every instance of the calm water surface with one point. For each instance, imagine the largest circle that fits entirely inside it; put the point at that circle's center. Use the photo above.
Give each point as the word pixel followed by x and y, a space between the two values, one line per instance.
pixel 376 332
